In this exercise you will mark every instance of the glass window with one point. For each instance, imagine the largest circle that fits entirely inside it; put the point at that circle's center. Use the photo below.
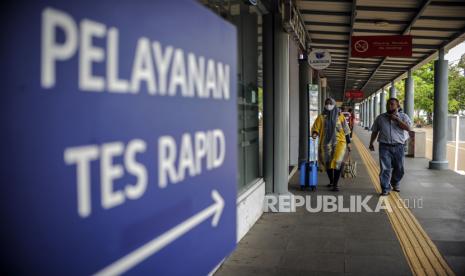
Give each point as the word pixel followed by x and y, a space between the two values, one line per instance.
pixel 248 21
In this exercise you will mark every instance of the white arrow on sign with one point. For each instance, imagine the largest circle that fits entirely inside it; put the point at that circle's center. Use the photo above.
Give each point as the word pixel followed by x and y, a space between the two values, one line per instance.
pixel 132 259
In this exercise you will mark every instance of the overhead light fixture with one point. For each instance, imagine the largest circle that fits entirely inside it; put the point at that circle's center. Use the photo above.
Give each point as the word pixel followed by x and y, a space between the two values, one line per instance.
pixel 381 23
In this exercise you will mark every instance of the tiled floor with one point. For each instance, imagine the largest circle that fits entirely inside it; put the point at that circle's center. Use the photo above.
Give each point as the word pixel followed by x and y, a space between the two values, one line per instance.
pixel 442 215
pixel 304 243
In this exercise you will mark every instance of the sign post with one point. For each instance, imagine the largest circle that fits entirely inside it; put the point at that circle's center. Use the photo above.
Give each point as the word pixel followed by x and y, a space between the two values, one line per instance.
pixel 354 94
pixel 381 46
pixel 314 102
pixel 319 59
pixel 111 159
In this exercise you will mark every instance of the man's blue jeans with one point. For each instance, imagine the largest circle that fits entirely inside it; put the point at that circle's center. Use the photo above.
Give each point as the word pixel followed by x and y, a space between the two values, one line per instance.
pixel 391 160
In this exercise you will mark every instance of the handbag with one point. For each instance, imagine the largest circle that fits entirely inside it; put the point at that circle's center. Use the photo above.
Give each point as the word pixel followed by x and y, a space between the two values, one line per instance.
pixel 350 168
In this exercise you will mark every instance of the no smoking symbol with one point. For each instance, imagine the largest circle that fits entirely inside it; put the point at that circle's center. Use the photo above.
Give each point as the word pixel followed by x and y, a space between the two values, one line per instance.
pixel 361 46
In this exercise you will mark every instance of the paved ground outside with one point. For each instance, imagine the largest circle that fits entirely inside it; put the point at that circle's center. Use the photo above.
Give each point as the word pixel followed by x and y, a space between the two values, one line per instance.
pixel 450 149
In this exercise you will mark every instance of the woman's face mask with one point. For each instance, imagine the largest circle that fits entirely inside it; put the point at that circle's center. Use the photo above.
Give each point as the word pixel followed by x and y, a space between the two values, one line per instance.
pixel 329 107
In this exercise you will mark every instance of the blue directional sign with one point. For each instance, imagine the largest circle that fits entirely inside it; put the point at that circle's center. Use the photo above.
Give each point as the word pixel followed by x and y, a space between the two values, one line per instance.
pixel 118 138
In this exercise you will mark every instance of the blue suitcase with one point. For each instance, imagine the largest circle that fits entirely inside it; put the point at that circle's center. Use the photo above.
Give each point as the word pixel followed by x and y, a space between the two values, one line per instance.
pixel 303 174
pixel 312 167
pixel 309 169
pixel 312 175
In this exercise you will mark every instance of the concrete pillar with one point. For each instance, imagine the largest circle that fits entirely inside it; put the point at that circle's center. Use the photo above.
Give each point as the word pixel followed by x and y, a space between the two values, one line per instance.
pixel 376 106
pixel 367 108
pixel 360 111
pixel 281 113
pixel 440 110
pixel 275 104
pixel 321 94
pixel 304 81
pixel 320 100
pixel 372 109
pixel 324 88
pixel 392 91
pixel 365 117
pixel 409 93
pixel 367 114
pixel 324 94
pixel 382 101
pixel 363 113
pixel 268 101
pixel 367 126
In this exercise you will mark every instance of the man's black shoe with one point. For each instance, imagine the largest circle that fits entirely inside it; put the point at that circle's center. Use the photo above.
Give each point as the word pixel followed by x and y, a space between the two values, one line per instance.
pixel 396 189
pixel 329 185
pixel 384 193
pixel 335 189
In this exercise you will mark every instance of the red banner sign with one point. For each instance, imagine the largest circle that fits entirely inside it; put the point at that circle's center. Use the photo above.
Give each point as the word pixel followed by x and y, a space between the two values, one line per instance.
pixel 354 94
pixel 382 46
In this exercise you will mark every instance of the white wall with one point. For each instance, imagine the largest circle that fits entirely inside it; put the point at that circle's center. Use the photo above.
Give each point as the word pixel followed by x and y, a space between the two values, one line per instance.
pixel 249 208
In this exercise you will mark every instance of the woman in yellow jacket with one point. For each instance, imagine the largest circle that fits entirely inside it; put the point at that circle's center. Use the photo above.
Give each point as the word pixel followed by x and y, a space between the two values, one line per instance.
pixel 333 130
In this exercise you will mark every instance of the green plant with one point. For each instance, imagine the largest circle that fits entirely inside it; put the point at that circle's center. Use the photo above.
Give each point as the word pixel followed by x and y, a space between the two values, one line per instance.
pixel 419 122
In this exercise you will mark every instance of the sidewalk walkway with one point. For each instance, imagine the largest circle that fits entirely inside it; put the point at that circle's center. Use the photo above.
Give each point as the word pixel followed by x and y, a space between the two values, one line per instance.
pixel 442 215
pixel 304 243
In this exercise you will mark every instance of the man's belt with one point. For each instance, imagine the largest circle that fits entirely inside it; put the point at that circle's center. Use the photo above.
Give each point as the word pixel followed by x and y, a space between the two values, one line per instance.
pixel 390 145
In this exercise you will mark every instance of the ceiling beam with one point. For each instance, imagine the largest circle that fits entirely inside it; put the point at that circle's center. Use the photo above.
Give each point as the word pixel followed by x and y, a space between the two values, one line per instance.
pixel 374 31
pixel 435 29
pixel 424 46
pixel 337 1
pixel 407 29
pixel 318 23
pixel 448 4
pixel 326 13
pixel 442 18
pixel 384 9
pixel 429 37
pixel 329 41
pixel 431 55
pixel 329 32
pixel 373 21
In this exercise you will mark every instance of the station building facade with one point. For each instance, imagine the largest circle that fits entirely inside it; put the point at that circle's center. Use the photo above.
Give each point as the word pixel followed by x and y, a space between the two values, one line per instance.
pixel 272 102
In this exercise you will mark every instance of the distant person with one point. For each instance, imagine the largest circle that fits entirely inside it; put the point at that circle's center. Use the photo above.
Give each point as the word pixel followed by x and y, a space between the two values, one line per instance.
pixel 333 130
pixel 391 128
pixel 351 121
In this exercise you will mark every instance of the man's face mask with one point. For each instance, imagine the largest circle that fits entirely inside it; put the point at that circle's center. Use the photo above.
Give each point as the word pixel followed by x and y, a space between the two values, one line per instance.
pixel 329 107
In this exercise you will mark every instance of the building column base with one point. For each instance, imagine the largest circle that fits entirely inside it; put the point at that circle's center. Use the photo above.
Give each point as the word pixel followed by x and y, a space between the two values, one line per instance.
pixel 438 165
